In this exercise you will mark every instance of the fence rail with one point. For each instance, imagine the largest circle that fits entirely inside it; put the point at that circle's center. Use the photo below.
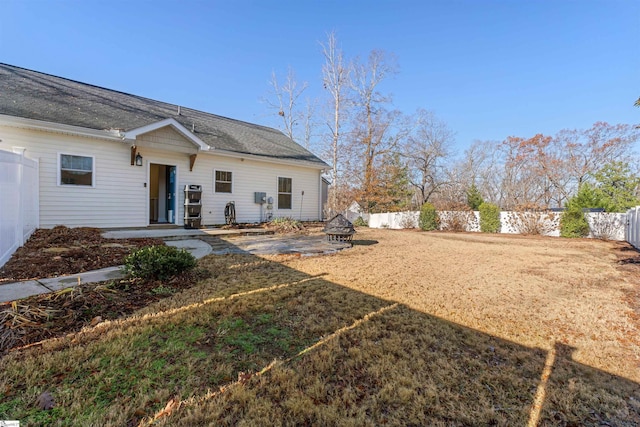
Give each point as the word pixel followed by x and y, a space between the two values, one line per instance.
pixel 19 209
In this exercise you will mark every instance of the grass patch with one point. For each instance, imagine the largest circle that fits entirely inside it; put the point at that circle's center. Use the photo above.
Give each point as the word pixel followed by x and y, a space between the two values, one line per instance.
pixel 123 372
pixel 407 368
pixel 262 342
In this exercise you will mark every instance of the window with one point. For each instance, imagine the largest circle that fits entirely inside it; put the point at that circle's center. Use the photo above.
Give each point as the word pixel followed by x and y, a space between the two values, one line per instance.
pixel 284 193
pixel 76 170
pixel 223 182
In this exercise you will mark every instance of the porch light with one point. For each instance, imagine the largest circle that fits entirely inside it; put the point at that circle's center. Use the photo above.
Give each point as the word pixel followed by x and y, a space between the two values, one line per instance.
pixel 138 160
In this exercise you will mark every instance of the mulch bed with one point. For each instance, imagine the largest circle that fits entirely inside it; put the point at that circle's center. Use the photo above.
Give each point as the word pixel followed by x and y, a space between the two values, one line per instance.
pixel 51 315
pixel 61 251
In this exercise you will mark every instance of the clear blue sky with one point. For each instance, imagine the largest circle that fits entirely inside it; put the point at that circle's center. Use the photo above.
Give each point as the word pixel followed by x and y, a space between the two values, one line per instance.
pixel 490 69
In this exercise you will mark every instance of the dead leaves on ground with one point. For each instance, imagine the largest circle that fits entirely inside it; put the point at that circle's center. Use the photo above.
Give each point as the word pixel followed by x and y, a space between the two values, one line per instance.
pixel 51 315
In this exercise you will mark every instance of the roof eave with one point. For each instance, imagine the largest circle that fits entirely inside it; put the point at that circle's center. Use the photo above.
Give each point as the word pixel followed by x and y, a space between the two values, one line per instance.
pixel 41 125
pixel 259 158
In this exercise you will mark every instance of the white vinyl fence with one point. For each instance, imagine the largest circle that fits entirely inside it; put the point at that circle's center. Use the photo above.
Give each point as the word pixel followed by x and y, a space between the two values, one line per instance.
pixel 19 215
pixel 609 226
pixel 633 227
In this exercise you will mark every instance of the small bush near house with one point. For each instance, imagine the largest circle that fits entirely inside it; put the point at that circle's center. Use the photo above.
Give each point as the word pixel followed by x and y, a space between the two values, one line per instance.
pixel 489 218
pixel 360 222
pixel 573 223
pixel 158 262
pixel 428 219
pixel 285 225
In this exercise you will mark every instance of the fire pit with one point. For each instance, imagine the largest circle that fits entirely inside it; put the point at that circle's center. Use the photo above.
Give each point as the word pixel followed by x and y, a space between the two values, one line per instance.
pixel 339 229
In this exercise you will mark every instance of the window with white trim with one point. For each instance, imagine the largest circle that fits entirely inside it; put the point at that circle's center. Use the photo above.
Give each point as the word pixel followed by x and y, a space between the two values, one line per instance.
pixel 284 193
pixel 223 182
pixel 76 170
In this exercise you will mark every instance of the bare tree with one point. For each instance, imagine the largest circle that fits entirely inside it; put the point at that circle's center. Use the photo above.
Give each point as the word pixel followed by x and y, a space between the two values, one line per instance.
pixel 308 123
pixel 376 131
pixel 523 183
pixel 335 79
pixel 481 165
pixel 284 100
pixel 585 152
pixel 549 170
pixel 427 151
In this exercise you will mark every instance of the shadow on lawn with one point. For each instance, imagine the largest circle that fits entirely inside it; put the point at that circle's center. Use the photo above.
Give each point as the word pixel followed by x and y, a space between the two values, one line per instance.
pixel 359 242
pixel 342 357
pixel 401 366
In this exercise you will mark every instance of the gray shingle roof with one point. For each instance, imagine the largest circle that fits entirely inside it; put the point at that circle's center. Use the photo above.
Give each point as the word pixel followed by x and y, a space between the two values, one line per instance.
pixel 34 95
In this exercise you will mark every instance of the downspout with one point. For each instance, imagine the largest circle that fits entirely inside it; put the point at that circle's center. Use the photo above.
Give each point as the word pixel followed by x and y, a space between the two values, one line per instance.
pixel 320 195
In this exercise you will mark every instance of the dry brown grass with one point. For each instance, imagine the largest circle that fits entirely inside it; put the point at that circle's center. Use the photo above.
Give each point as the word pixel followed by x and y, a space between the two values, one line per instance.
pixel 530 290
pixel 406 328
pixel 404 368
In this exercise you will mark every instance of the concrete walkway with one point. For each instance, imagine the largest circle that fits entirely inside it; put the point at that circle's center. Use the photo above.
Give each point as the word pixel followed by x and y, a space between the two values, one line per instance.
pixel 199 243
pixel 24 289
pixel 181 233
pixel 309 245
pixel 19 290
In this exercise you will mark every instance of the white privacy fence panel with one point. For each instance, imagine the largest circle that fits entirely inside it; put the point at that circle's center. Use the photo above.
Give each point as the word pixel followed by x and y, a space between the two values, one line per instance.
pixel 603 225
pixel 607 226
pixel 633 226
pixel 19 208
pixel 394 220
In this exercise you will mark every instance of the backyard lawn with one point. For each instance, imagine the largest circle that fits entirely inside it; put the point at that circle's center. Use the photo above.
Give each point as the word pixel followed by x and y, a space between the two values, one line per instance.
pixel 405 328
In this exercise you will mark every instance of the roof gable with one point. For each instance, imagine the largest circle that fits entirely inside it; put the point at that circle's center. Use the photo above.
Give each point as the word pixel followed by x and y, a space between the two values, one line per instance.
pixel 173 124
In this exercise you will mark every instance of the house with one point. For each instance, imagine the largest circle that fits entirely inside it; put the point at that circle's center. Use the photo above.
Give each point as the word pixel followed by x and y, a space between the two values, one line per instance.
pixel 355 211
pixel 111 159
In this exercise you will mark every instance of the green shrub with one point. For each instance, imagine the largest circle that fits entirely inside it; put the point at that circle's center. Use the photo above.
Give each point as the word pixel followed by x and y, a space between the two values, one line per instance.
pixel 474 197
pixel 428 219
pixel 360 222
pixel 489 218
pixel 158 262
pixel 573 223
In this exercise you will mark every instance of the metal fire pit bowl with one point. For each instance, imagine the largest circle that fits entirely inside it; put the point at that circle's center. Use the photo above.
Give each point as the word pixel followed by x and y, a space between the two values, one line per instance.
pixel 339 229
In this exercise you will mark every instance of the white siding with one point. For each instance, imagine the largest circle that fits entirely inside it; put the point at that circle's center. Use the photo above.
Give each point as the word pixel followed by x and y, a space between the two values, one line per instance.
pixel 120 197
pixel 116 200
pixel 167 139
pixel 250 176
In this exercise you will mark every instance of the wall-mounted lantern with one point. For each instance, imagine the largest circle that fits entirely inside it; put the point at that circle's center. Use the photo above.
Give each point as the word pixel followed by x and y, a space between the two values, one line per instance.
pixel 138 160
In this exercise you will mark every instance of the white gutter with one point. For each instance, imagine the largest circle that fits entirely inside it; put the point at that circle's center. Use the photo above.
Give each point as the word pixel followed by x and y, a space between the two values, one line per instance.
pixel 22 123
pixel 257 158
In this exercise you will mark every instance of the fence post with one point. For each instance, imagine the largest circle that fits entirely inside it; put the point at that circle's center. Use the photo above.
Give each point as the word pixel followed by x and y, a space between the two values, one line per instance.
pixel 633 227
pixel 627 228
pixel 21 194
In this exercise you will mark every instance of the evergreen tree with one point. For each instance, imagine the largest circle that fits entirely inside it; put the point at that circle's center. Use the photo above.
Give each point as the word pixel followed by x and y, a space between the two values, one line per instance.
pixel 474 198
pixel 391 192
pixel 617 187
